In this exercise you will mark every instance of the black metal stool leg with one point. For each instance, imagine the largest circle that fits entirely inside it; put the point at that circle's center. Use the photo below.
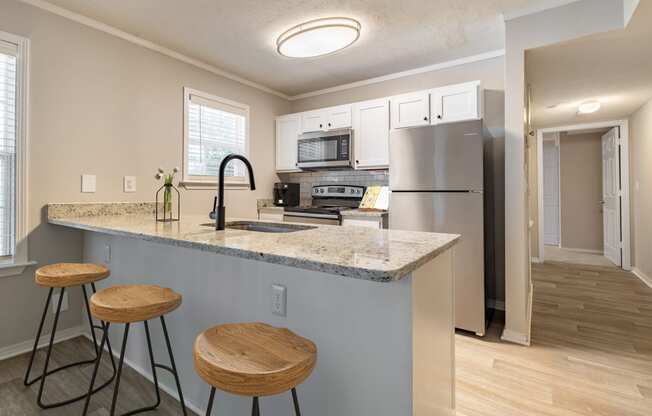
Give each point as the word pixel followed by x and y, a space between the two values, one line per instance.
pixel 26 381
pixel 116 387
pixel 211 398
pixel 101 327
pixel 47 357
pixel 295 400
pixel 47 372
pixel 105 337
pixel 255 409
pixel 174 367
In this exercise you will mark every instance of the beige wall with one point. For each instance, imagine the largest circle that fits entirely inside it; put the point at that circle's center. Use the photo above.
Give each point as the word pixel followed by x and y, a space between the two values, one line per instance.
pixel 491 73
pixel 640 142
pixel 103 106
pixel 581 191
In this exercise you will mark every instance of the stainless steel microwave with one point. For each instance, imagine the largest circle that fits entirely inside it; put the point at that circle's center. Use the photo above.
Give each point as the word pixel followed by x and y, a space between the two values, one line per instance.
pixel 325 149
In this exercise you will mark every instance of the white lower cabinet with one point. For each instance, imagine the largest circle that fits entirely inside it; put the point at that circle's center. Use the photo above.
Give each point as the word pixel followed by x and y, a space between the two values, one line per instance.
pixel 371 134
pixel 379 222
pixel 270 214
pixel 288 129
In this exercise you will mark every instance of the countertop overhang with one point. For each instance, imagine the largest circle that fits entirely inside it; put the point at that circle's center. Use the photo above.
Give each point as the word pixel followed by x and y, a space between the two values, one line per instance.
pixel 357 252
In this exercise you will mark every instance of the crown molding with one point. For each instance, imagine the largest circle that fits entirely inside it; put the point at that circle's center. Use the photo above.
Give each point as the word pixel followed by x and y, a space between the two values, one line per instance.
pixel 435 67
pixel 111 30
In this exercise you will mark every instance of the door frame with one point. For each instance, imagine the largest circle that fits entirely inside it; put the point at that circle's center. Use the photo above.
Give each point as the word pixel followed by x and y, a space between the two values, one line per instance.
pixel 555 140
pixel 624 175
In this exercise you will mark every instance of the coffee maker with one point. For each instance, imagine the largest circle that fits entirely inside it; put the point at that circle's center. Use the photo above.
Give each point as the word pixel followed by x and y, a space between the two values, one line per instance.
pixel 286 194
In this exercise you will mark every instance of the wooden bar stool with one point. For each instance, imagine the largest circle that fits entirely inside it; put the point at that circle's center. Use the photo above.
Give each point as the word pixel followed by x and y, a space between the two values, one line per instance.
pixel 253 359
pixel 63 276
pixel 128 304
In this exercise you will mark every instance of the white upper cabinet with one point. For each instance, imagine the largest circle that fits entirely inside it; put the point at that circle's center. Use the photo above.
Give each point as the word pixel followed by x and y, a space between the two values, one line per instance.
pixel 371 134
pixel 312 121
pixel 456 103
pixel 331 118
pixel 410 110
pixel 288 129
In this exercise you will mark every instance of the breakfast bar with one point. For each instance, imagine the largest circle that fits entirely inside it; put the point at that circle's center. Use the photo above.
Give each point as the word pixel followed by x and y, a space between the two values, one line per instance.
pixel 378 304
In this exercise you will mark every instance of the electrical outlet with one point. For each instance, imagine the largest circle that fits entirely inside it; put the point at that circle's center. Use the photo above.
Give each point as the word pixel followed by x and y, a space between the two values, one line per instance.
pixel 55 302
pixel 88 183
pixel 129 184
pixel 279 300
pixel 107 253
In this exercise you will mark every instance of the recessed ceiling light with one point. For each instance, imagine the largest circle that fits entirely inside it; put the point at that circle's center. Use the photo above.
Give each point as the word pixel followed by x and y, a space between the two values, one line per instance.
pixel 318 37
pixel 588 107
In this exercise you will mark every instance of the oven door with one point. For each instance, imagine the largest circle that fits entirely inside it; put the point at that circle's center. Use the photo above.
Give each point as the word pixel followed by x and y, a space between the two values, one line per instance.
pixel 325 149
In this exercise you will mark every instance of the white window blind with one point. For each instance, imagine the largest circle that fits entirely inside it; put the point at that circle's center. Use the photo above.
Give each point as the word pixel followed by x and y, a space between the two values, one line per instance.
pixel 7 152
pixel 215 129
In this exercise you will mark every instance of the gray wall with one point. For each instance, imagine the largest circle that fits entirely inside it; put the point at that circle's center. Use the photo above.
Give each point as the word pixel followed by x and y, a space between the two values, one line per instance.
pixel 491 73
pixel 104 106
pixel 640 155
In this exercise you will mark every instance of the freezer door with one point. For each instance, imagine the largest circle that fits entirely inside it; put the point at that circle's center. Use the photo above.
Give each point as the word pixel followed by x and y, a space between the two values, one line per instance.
pixel 458 213
pixel 436 158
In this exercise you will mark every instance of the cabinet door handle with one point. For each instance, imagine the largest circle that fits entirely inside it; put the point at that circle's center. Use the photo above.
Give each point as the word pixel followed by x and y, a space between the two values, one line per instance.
pixel 425 119
pixel 320 126
pixel 439 116
pixel 329 124
pixel 357 161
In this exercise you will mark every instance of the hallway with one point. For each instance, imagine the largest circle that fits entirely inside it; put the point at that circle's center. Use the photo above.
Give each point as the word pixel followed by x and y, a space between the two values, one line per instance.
pixel 591 350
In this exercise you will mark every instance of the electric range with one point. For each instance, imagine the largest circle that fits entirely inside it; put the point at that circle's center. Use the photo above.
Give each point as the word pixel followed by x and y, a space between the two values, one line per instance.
pixel 327 203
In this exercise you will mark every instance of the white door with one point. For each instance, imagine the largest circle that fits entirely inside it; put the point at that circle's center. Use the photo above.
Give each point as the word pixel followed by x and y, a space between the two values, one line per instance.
pixel 371 134
pixel 338 117
pixel 287 132
pixel 410 110
pixel 455 103
pixel 551 220
pixel 611 196
pixel 312 121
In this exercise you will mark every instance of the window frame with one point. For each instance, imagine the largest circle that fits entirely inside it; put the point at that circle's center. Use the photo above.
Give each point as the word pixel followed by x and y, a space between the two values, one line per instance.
pixel 203 182
pixel 20 261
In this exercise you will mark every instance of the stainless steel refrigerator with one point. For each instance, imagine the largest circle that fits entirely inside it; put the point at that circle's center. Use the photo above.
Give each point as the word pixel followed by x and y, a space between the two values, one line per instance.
pixel 436 178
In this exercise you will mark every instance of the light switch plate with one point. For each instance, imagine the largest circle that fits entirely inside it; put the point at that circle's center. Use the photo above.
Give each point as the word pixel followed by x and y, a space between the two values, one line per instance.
pixel 88 183
pixel 129 184
pixel 279 300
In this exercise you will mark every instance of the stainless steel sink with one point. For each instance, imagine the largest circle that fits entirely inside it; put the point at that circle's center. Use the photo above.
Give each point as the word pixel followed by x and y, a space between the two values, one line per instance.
pixel 264 227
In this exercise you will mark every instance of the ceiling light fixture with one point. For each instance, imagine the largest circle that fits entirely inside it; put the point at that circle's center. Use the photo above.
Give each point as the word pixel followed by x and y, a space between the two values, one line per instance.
pixel 588 107
pixel 318 37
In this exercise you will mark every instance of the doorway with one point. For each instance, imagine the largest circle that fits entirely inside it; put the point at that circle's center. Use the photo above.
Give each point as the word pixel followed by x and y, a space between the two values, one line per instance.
pixel 605 217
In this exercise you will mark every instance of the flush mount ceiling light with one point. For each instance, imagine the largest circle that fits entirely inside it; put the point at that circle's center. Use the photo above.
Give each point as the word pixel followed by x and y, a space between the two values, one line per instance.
pixel 318 37
pixel 588 107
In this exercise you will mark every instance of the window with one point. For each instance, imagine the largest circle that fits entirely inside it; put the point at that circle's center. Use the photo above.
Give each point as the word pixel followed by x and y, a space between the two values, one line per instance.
pixel 214 127
pixel 13 123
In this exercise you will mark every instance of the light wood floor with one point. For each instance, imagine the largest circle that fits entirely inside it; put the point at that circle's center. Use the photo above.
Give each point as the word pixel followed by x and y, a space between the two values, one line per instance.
pixel 566 255
pixel 591 355
pixel 591 351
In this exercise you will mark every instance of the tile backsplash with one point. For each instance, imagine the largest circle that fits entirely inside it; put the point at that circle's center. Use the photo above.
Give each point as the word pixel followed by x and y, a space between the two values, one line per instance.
pixel 335 177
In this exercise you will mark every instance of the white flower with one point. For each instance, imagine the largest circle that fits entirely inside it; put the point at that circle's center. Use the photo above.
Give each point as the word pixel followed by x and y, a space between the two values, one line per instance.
pixel 160 170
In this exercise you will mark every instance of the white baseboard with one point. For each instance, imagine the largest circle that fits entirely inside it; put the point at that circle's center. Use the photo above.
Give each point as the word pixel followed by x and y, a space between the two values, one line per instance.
pixel 26 346
pixel 515 337
pixel 535 260
pixel 145 373
pixel 496 304
pixel 644 278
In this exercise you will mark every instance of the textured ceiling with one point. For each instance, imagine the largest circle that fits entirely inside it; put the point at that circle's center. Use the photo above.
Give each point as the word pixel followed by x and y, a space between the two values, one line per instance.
pixel 239 35
pixel 614 68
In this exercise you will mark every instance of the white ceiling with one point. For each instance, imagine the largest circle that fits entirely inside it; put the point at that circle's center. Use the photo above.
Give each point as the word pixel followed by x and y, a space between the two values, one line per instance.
pixel 239 35
pixel 614 68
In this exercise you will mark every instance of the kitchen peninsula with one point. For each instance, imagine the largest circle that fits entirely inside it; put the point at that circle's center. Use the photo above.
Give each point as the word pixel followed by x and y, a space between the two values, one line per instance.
pixel 377 303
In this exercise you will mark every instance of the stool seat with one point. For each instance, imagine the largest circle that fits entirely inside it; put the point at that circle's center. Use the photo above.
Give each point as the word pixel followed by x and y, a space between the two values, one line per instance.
pixel 253 359
pixel 133 303
pixel 70 274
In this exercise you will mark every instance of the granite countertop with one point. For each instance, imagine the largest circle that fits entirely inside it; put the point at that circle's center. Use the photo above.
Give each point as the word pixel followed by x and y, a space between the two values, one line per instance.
pixel 358 252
